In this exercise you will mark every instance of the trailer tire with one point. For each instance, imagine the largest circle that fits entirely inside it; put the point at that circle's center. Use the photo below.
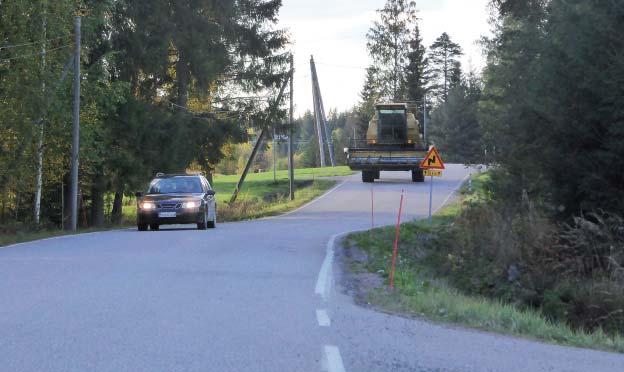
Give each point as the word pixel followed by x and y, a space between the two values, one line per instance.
pixel 368 176
pixel 418 175
pixel 377 174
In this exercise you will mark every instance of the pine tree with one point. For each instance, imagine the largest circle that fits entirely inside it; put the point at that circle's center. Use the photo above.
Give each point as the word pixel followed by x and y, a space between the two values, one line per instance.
pixel 443 58
pixel 456 76
pixel 388 45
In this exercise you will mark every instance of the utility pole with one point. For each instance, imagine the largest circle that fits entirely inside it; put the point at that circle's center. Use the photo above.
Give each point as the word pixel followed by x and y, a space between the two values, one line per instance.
pixel 75 128
pixel 320 109
pixel 269 118
pixel 291 162
pixel 328 132
pixel 317 114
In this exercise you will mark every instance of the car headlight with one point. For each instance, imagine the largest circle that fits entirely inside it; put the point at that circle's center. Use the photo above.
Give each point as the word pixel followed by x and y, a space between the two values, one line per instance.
pixel 147 206
pixel 191 204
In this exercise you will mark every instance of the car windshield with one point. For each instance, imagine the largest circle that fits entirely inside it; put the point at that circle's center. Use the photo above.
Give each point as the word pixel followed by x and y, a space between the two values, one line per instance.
pixel 175 185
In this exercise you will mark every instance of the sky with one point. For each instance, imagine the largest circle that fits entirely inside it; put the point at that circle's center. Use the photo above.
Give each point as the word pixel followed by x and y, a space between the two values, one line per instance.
pixel 334 31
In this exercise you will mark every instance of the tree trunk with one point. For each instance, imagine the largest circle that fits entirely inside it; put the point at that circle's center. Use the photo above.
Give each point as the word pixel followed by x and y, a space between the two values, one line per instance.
pixel 2 214
pixel 97 201
pixel 67 202
pixel 209 172
pixel 39 177
pixel 182 75
pixel 116 214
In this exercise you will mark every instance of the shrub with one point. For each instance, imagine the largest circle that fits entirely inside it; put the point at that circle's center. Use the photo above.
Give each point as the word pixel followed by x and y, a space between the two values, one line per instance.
pixel 572 272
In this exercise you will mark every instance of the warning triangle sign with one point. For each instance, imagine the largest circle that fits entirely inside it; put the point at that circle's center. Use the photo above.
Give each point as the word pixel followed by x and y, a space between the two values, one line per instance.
pixel 432 160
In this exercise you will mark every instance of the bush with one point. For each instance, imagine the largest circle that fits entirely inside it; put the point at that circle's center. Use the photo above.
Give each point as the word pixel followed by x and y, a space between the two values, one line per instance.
pixel 572 272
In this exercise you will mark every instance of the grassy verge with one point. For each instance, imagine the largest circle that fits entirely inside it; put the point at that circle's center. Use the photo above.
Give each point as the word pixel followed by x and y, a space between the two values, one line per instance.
pixel 22 236
pixel 419 292
pixel 260 196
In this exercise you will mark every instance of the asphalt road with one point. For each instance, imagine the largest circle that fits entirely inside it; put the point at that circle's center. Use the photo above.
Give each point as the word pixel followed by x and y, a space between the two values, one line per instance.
pixel 248 296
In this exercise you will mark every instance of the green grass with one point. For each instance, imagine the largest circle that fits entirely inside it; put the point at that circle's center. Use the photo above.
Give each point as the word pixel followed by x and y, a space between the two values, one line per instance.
pixel 259 185
pixel 421 293
pixel 259 197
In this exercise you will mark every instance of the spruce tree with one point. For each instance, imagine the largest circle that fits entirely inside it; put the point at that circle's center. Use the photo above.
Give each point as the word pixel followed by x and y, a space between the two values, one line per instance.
pixel 417 78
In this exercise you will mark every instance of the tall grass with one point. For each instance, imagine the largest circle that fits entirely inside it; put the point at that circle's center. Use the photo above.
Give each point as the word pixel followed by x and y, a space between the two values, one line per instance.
pixel 432 281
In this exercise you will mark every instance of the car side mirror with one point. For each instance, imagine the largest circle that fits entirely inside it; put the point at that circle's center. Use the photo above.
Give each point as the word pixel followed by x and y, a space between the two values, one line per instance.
pixel 210 192
pixel 138 194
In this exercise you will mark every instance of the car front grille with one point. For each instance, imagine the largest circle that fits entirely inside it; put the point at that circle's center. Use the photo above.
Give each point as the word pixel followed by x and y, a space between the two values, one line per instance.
pixel 169 206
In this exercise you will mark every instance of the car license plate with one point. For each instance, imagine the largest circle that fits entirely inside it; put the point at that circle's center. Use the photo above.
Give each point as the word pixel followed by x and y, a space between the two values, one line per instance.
pixel 166 214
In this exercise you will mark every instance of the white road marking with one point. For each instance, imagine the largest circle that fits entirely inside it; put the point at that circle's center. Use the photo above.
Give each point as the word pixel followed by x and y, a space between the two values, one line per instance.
pixel 333 359
pixel 324 276
pixel 323 318
pixel 323 282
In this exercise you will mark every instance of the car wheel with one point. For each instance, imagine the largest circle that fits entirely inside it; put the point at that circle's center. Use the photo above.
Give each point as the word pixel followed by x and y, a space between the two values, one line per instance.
pixel 212 224
pixel 154 227
pixel 368 176
pixel 202 225
pixel 142 227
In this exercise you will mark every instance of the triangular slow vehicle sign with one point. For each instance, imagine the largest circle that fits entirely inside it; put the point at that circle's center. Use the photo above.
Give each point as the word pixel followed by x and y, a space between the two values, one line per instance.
pixel 432 160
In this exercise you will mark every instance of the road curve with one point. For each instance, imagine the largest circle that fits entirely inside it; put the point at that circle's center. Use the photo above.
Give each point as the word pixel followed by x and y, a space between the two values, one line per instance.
pixel 247 296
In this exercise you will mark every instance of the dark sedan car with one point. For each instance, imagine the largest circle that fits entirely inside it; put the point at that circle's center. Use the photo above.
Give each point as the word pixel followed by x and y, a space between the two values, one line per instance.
pixel 177 199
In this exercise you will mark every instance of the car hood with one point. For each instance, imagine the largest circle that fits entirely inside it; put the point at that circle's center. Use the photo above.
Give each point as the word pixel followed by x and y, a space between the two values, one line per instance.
pixel 170 197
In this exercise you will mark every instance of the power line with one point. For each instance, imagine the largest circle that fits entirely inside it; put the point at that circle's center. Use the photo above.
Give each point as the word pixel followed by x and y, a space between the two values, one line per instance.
pixel 35 54
pixel 34 42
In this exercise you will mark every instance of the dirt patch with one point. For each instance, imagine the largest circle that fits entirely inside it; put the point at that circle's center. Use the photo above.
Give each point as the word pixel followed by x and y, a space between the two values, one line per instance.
pixel 355 278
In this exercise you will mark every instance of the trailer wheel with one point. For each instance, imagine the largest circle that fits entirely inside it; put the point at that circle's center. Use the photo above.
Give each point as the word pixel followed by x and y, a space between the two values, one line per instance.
pixel 368 176
pixel 377 175
pixel 418 176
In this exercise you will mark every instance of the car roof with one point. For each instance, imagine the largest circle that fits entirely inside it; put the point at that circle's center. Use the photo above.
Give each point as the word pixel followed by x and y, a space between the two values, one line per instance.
pixel 160 175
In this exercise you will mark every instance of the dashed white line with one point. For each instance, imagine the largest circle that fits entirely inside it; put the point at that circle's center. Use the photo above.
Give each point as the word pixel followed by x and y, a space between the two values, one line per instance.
pixel 333 360
pixel 323 318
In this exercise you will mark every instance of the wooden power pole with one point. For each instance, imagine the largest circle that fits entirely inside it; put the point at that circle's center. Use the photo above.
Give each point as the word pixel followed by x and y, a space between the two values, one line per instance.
pixel 320 117
pixel 272 110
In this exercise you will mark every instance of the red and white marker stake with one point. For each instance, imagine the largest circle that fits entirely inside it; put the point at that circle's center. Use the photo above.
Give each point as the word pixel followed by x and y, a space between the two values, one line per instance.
pixel 396 242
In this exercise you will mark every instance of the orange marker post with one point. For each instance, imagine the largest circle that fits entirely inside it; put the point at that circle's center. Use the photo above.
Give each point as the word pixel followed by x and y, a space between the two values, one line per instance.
pixel 396 242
